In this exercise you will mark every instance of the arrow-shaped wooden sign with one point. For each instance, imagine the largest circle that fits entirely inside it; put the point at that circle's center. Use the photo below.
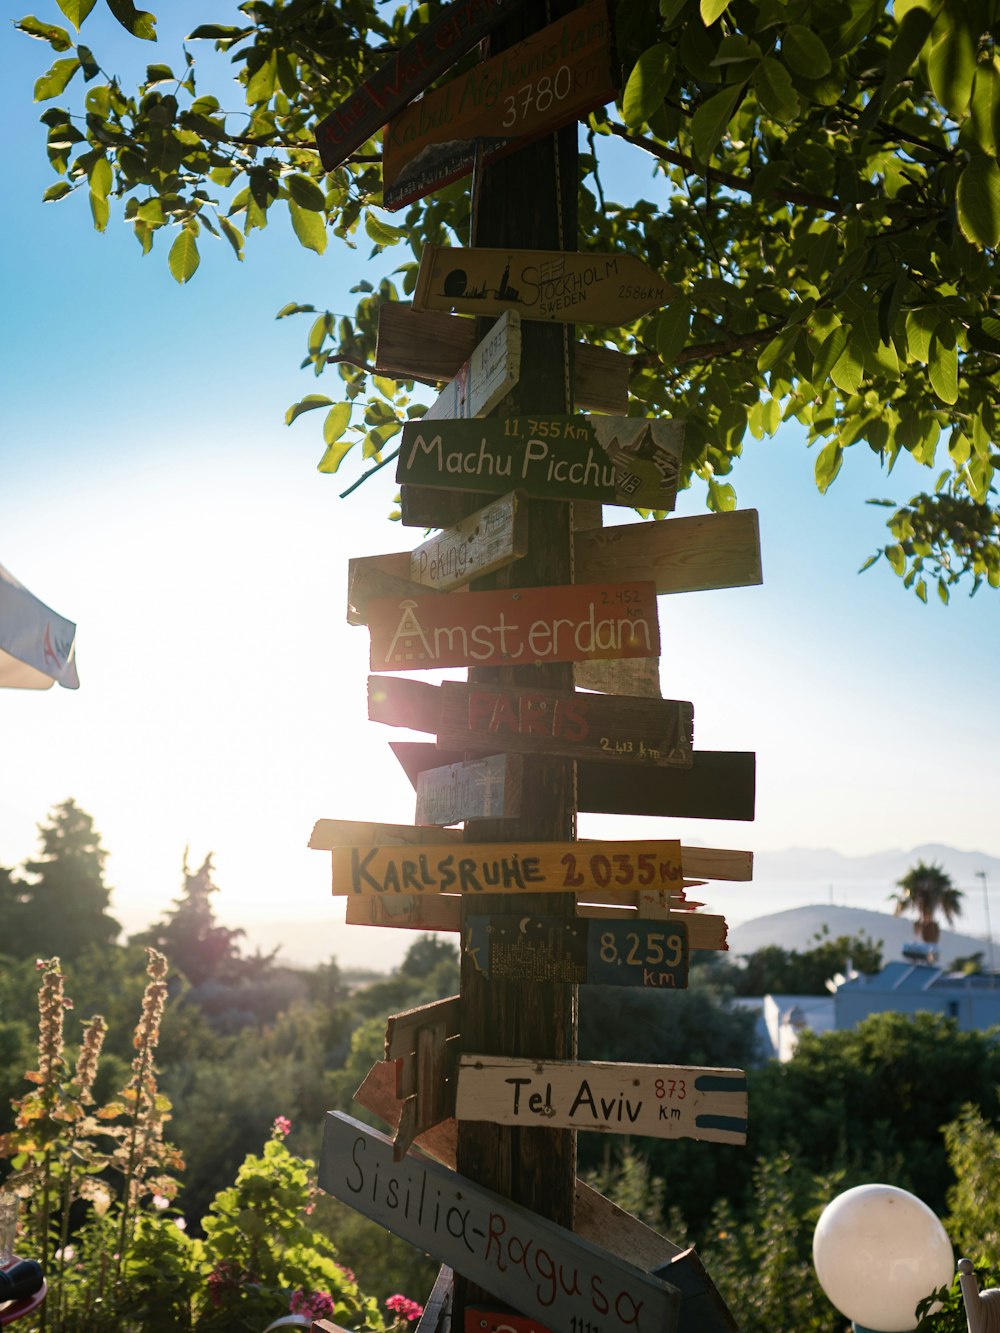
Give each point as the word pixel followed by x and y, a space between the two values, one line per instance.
pixel 651 954
pixel 608 728
pixel 522 1258
pixel 565 286
pixel 661 1101
pixel 486 378
pixel 514 626
pixel 609 460
pixel 454 30
pixel 511 868
pixel 488 788
pixel 530 89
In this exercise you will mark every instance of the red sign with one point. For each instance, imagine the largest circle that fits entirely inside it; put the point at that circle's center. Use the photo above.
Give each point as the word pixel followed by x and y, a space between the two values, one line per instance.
pixel 515 627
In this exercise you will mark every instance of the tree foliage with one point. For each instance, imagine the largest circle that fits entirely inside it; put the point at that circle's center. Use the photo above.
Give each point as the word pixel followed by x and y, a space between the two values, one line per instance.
pixel 825 198
pixel 927 892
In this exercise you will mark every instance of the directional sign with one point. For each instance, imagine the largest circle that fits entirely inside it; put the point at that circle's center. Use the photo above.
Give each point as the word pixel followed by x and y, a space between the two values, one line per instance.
pixel 638 677
pixel 522 1258
pixel 453 31
pixel 480 1320
pixel 681 555
pixel 425 344
pixel 488 376
pixel 422 1044
pixel 565 286
pixel 491 538
pixel 514 867
pixel 515 626
pixel 652 954
pixel 661 1101
pixel 487 788
pixel 610 460
pixel 530 89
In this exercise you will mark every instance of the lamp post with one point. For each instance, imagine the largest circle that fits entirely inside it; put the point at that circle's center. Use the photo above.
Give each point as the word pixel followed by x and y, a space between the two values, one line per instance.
pixel 878 1251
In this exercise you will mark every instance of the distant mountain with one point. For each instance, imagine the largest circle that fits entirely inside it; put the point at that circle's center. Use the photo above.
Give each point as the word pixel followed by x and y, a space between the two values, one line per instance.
pixel 798 927
pixel 813 863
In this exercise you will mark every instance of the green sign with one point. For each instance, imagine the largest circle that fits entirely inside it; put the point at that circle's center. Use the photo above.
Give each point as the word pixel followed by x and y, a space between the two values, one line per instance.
pixel 614 460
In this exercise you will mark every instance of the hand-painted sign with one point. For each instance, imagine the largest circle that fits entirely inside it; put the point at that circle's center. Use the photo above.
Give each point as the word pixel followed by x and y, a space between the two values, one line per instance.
pixel 720 784
pixel 425 344
pixel 611 460
pixel 487 377
pixel 530 89
pixel 661 1101
pixel 566 286
pixel 653 954
pixel 514 867
pixel 478 1320
pixel 487 788
pixel 581 726
pixel 522 1258
pixel 447 37
pixel 516 626
pixel 681 555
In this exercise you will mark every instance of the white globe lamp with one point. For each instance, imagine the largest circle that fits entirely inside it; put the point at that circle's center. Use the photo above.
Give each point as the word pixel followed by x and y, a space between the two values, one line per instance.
pixel 878 1251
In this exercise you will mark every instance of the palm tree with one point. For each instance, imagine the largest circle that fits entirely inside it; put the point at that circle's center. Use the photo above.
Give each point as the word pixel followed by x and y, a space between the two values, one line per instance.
pixel 927 892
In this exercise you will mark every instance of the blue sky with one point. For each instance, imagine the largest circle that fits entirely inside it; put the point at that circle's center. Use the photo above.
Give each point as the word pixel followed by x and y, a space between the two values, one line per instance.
pixel 150 491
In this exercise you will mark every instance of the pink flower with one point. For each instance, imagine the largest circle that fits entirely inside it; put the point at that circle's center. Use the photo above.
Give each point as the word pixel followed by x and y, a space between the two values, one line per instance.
pixel 281 1128
pixel 315 1304
pixel 404 1307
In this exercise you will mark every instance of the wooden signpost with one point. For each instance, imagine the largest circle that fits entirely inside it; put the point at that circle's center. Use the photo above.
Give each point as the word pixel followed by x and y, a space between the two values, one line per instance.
pixel 447 37
pixel 609 460
pixel 507 868
pixel 567 287
pixel 612 729
pixel 533 1264
pixel 515 626
pixel 429 345
pixel 548 80
pixel 488 376
pixel 651 954
pixel 661 1101
pixel 487 788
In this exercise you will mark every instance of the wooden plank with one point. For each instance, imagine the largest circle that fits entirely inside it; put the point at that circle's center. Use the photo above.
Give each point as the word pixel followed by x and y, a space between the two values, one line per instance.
pixel 632 461
pixel 636 676
pixel 420 1042
pixel 579 950
pixel 595 1218
pixel 369 581
pixel 604 728
pixel 719 784
pixel 453 31
pixel 522 1258
pixel 429 345
pixel 399 701
pixel 401 1029
pixel 660 1101
pixel 717 863
pixel 562 286
pixel 485 378
pixel 508 868
pixel 330 833
pixel 436 1317
pixel 680 554
pixel 490 539
pixel 514 626
pixel 499 105
pixel 488 788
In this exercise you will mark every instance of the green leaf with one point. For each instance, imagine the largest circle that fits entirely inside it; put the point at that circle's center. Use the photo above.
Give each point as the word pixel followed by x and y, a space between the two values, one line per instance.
pixel 804 52
pixel 647 84
pixel 307 404
pixel 233 235
pixel 382 233
pixel 309 227
pixel 920 588
pixel 848 371
pixel 951 65
pixel 100 177
pixel 978 201
pixel 870 561
pixel 57 191
pixel 920 326
pixel 54 80
pixel 294 308
pixel 76 10
pixel 984 334
pixel 336 422
pixel 136 21
pixel 778 348
pixel 774 90
pixel 220 32
pixel 57 38
pixel 306 193
pixel 184 259
pixel 828 464
pixel 672 331
pixel 712 10
pixel 828 355
pixel 896 558
pixel 710 121
pixel 943 370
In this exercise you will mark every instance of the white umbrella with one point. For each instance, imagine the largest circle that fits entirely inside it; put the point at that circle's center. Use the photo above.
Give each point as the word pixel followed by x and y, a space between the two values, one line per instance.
pixel 37 647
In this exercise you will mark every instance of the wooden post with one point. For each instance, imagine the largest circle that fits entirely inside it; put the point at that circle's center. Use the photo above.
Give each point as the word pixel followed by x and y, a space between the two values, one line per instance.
pixel 528 200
